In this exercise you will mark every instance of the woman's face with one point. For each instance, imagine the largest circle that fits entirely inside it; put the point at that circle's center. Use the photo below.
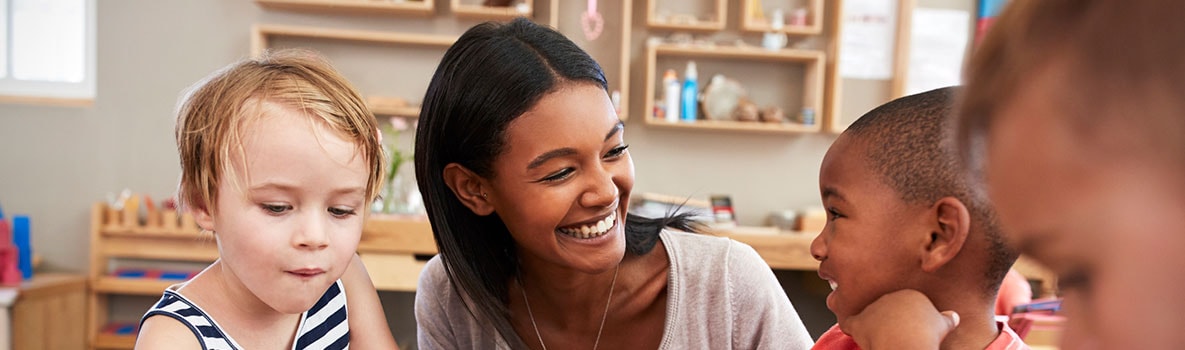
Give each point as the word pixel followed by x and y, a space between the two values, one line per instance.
pixel 562 184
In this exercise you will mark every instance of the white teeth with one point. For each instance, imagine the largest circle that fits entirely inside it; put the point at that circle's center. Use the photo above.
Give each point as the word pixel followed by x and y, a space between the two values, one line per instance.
pixel 833 284
pixel 592 230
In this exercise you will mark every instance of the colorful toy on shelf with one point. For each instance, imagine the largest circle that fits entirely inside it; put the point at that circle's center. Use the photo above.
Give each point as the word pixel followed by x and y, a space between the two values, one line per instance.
pixel 121 328
pixel 20 237
pixel 10 274
pixel 158 274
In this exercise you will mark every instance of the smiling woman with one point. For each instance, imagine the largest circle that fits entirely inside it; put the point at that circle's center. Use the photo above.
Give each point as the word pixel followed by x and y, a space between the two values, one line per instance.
pixel 527 178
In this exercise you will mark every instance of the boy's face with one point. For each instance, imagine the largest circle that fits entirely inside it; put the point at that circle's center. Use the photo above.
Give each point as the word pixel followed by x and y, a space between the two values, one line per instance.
pixel 867 247
pixel 290 224
pixel 1109 224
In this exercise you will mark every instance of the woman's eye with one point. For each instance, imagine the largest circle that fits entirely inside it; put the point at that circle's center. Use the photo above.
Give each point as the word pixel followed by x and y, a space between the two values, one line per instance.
pixel 341 212
pixel 559 175
pixel 617 151
pixel 276 208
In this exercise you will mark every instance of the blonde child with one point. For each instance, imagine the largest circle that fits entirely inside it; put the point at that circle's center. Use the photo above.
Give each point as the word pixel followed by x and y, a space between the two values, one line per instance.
pixel 902 217
pixel 280 159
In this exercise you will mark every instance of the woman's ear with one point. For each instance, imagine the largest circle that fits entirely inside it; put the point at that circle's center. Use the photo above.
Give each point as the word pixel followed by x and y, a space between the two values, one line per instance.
pixel 951 227
pixel 469 188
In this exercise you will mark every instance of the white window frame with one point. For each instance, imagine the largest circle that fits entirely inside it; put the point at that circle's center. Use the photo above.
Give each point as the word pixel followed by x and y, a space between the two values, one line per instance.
pixel 45 92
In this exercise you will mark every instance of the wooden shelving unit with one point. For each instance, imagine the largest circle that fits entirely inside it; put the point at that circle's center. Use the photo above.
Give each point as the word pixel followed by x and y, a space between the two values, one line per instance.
pixel 812 62
pixel 814 20
pixel 120 235
pixel 718 21
pixel 354 7
pixel 395 107
pixel 492 12
pixel 262 35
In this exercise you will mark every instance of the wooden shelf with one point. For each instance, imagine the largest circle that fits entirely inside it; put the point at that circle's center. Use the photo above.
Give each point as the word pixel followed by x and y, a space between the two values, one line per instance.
pixel 131 286
pixel 397 234
pixel 264 33
pixel 814 20
pixel 782 250
pixel 737 52
pixel 716 24
pixel 113 341
pixel 812 84
pixel 732 125
pixel 363 7
pixel 491 12
pixel 155 246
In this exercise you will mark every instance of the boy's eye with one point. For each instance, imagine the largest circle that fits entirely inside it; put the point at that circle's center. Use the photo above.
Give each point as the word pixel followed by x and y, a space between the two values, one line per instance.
pixel 341 212
pixel 616 151
pixel 275 208
pixel 559 175
pixel 833 214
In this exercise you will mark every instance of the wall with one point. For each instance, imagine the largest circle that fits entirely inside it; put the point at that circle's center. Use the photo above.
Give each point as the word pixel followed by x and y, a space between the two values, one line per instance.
pixel 56 161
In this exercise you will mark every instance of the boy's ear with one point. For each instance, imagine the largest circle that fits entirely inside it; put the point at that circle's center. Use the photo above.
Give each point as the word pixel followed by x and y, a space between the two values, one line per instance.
pixel 951 227
pixel 469 188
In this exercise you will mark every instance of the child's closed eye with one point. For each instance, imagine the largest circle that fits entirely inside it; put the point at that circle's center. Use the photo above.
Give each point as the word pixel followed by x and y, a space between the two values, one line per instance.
pixel 275 209
pixel 342 212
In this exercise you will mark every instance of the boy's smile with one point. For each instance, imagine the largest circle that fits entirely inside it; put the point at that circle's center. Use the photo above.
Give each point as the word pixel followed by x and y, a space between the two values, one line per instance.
pixel 863 250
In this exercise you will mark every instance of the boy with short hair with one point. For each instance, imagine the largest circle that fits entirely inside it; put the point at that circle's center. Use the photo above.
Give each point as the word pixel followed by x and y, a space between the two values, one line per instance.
pixel 902 216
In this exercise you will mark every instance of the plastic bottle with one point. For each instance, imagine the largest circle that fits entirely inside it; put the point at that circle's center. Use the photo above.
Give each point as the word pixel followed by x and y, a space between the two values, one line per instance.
pixel 670 93
pixel 690 98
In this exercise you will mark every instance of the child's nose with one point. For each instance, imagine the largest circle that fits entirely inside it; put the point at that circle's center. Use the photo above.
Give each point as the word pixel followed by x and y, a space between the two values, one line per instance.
pixel 312 235
pixel 819 247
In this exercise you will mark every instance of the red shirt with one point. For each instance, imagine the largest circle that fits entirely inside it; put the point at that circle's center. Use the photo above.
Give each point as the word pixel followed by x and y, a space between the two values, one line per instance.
pixel 835 339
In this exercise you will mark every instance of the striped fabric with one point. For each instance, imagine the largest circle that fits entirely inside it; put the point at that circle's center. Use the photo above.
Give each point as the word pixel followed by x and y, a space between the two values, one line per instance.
pixel 324 326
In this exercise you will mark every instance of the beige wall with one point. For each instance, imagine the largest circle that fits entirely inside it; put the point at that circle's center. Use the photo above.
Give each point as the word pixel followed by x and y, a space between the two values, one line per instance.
pixel 56 161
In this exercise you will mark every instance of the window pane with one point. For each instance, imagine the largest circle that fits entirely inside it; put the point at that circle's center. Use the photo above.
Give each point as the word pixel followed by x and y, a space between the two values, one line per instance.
pixel 48 40
pixel 3 38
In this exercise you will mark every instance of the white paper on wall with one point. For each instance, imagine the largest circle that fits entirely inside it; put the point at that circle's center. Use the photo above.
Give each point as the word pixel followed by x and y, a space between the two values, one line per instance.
pixel 869 28
pixel 937 45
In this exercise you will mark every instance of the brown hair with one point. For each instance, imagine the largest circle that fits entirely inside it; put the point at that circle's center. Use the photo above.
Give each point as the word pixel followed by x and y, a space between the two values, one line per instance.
pixel 212 116
pixel 1121 66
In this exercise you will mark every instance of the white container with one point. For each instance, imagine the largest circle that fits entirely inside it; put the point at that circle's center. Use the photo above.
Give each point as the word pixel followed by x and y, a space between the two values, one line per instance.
pixel 670 92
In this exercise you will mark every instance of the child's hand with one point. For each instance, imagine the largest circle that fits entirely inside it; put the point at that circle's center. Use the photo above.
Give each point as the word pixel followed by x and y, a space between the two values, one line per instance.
pixel 905 319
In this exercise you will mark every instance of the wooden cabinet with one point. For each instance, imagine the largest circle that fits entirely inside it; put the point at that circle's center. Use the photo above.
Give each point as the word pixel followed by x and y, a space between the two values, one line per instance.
pixel 46 313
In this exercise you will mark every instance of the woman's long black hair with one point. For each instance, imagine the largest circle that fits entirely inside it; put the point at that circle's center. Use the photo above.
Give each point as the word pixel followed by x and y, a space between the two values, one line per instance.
pixel 494 73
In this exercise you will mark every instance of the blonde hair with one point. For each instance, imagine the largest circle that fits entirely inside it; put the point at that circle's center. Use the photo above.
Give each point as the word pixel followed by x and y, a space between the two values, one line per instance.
pixel 1121 66
pixel 212 116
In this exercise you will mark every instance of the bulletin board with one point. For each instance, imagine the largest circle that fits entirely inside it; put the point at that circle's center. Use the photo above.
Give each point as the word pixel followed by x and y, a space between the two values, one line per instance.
pixel 885 49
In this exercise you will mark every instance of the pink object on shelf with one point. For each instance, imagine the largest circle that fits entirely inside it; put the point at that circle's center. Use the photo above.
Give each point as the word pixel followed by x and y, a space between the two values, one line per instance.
pixel 10 274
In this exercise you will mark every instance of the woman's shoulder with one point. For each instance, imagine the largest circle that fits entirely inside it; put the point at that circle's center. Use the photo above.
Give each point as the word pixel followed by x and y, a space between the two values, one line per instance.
pixel 433 277
pixel 706 248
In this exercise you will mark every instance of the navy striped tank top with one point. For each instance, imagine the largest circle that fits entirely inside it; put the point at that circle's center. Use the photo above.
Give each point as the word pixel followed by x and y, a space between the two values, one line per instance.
pixel 324 326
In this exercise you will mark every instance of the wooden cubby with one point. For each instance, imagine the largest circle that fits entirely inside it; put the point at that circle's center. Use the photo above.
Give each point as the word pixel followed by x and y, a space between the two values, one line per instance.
pixel 811 61
pixel 393 248
pixel 262 36
pixel 122 235
pixel 463 9
pixel 654 19
pixel 406 8
pixel 813 26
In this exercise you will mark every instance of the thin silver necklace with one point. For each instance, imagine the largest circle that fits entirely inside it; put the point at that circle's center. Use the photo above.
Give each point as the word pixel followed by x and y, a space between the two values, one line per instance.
pixel 523 289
